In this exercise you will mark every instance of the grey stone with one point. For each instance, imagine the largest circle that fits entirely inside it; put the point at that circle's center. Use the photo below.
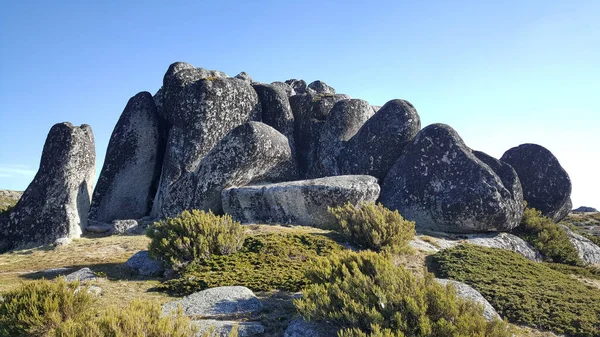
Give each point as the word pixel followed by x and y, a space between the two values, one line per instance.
pixel 97 227
pixel 244 77
pixel 299 86
pixel 467 292
pixel 376 108
pixel 217 302
pixel 56 203
pixel 206 111
pixel 380 141
pixel 546 185
pixel 563 211
pixel 143 264
pixel 129 177
pixel 301 202
pixel 587 250
pixel 439 183
pixel 321 87
pixel 245 155
pixel 124 226
pixel 216 328
pixel 342 123
pixel 82 275
pixel 61 242
pixel 302 328
pixel 585 209
pixel 289 91
pixel 277 113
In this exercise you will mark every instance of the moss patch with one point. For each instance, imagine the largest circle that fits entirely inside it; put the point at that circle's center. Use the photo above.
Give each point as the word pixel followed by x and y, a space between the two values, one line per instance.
pixel 266 262
pixel 523 291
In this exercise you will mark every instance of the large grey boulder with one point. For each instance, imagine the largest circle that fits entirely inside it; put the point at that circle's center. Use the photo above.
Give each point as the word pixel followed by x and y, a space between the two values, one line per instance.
pixel 439 183
pixel 301 202
pixel 303 328
pixel 467 292
pixel 217 302
pixel 129 177
pixel 380 141
pixel 141 263
pixel 299 86
pixel 277 113
pixel 289 91
pixel 342 123
pixel 203 113
pixel 219 328
pixel 56 203
pixel 310 112
pixel 321 87
pixel 587 250
pixel 546 185
pixel 246 154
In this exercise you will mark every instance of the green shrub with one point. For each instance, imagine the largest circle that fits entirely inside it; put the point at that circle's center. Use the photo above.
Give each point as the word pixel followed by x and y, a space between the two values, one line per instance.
pixel 36 307
pixel 524 291
pixel 373 226
pixel 139 319
pixel 547 237
pixel 194 235
pixel 590 271
pixel 265 262
pixel 366 295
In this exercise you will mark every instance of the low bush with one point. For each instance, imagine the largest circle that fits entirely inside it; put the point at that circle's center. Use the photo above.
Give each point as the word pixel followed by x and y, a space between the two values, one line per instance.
pixel 372 226
pixel 366 295
pixel 524 291
pixel 547 237
pixel 194 235
pixel 265 262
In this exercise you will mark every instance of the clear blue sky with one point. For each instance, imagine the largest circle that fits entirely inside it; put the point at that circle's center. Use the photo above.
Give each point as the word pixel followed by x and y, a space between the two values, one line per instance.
pixel 500 72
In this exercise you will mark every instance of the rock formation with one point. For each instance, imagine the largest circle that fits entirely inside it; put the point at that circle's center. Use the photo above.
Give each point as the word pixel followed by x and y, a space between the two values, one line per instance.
pixel 56 203
pixel 129 177
pixel 546 185
pixel 467 292
pixel 301 202
pixel 585 209
pixel 439 183
pixel 587 250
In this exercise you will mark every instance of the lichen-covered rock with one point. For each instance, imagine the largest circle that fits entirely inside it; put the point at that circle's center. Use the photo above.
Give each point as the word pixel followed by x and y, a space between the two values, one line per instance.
pixel 310 112
pixel 546 185
pixel 299 86
pixel 244 77
pixel 302 328
pixel 218 328
pixel 56 203
pixel 129 177
pixel 302 202
pixel 587 250
pixel 246 154
pixel 277 113
pixel 217 302
pixel 321 87
pixel 467 292
pixel 379 142
pixel 141 263
pixel 439 183
pixel 289 91
pixel 206 111
pixel 342 123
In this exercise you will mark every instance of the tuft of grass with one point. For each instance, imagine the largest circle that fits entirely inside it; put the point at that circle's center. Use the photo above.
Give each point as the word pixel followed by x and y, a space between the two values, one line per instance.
pixel 275 261
pixel 523 291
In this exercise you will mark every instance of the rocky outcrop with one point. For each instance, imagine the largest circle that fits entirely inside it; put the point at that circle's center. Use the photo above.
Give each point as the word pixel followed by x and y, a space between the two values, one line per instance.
pixel 585 209
pixel 217 328
pixel 246 154
pixel 299 86
pixel 141 263
pixel 546 185
pixel 587 250
pixel 320 87
pixel 302 328
pixel 244 77
pixel 380 141
pixel 217 302
pixel 129 177
pixel 289 91
pixel 56 203
pixel 467 292
pixel 342 123
pixel 202 113
pixel 439 183
pixel 301 202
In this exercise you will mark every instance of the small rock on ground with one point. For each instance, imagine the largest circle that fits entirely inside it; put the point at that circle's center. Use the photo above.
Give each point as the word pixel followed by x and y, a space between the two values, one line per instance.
pixel 82 275
pixel 143 264
pixel 467 292
pixel 219 301
pixel 301 328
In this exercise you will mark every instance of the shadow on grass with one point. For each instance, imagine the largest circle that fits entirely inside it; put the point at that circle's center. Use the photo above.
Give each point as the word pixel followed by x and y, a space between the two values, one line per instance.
pixel 112 271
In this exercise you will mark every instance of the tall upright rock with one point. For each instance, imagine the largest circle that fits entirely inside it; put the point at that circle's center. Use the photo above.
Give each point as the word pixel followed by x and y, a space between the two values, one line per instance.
pixel 546 184
pixel 202 107
pixel 56 203
pixel 128 180
pixel 442 185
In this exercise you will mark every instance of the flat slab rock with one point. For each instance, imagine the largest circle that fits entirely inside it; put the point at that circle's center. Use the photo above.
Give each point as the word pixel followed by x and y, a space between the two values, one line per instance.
pixel 217 302
pixel 467 292
pixel 301 202
pixel 223 328
pixel 436 242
